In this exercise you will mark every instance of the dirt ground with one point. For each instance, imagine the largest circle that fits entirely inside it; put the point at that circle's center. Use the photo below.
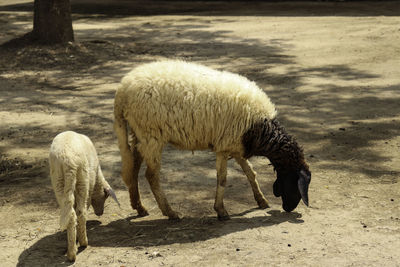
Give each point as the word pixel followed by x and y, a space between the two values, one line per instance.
pixel 331 68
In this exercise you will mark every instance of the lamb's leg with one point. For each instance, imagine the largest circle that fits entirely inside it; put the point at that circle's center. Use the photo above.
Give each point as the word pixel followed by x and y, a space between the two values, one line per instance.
pixel 68 215
pixel 81 227
pixel 81 200
pixel 153 160
pixel 251 176
pixel 71 236
pixel 222 159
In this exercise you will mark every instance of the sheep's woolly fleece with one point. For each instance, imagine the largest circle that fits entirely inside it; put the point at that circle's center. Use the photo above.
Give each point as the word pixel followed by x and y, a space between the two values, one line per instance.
pixel 191 106
pixel 74 167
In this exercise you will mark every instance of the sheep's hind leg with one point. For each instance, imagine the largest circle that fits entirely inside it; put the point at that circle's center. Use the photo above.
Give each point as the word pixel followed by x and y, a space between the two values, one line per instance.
pixel 221 163
pixel 153 177
pixel 251 176
pixel 131 162
pixel 81 206
pixel 71 237
pixel 81 227
pixel 134 186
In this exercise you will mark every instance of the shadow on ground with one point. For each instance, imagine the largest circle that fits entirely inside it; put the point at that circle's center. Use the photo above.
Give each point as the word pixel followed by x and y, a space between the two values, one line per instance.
pixel 63 81
pixel 148 233
pixel 74 72
pixel 226 8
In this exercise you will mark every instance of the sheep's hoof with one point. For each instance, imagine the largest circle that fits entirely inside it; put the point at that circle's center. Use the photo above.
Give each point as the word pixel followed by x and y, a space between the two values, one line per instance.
pixel 142 212
pixel 81 248
pixel 174 217
pixel 263 204
pixel 82 240
pixel 224 217
pixel 83 244
pixel 71 257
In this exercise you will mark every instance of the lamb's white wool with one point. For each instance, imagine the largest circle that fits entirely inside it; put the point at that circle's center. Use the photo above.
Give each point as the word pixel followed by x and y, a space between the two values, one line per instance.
pixel 78 182
pixel 194 107
pixel 191 106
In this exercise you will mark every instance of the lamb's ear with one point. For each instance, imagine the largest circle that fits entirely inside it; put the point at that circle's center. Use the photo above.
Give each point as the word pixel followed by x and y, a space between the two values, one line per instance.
pixel 303 183
pixel 111 193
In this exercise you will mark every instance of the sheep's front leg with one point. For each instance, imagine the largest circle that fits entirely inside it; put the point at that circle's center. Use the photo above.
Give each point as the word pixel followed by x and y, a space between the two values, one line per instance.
pixel 222 160
pixel 153 177
pixel 251 176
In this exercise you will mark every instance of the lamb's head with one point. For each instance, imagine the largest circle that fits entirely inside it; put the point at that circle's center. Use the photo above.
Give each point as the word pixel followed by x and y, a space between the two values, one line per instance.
pixel 291 186
pixel 99 197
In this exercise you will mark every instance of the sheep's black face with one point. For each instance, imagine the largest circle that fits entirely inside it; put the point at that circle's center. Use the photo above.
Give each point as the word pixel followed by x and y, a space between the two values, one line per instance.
pixel 292 186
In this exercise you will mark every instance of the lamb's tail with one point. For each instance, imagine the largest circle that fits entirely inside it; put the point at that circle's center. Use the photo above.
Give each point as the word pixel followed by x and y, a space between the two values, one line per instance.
pixel 63 179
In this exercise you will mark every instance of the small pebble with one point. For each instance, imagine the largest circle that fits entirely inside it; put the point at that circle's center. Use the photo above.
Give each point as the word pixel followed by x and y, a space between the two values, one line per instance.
pixel 156 254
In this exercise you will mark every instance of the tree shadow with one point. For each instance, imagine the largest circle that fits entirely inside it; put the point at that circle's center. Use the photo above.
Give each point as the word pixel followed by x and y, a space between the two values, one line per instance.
pixel 339 124
pixel 366 118
pixel 233 8
pixel 75 72
pixel 83 108
pixel 144 233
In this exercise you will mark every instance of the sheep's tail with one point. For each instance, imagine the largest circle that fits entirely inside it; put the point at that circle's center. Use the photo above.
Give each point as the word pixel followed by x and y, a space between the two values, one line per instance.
pixel 121 130
pixel 67 206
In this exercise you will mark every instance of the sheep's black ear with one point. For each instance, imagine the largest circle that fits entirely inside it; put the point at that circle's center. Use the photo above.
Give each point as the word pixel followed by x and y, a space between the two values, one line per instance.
pixel 277 188
pixel 111 193
pixel 303 183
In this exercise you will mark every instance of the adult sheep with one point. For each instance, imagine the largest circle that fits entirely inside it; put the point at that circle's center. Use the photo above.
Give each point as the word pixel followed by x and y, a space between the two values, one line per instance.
pixel 78 182
pixel 194 107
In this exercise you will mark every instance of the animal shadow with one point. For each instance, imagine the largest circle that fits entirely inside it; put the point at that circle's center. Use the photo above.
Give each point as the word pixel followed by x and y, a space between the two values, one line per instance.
pixel 143 232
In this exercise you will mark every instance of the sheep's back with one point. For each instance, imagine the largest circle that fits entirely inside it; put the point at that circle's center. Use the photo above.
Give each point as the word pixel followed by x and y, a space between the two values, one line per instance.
pixel 192 106
pixel 73 151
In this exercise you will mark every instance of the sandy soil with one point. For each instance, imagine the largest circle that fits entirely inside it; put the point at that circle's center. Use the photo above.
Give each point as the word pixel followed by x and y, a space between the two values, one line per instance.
pixel 333 70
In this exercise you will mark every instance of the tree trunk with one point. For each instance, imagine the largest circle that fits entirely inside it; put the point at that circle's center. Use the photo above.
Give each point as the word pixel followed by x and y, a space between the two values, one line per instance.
pixel 52 22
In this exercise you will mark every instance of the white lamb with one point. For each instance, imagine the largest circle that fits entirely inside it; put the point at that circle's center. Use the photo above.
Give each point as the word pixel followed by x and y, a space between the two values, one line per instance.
pixel 78 182
pixel 194 107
